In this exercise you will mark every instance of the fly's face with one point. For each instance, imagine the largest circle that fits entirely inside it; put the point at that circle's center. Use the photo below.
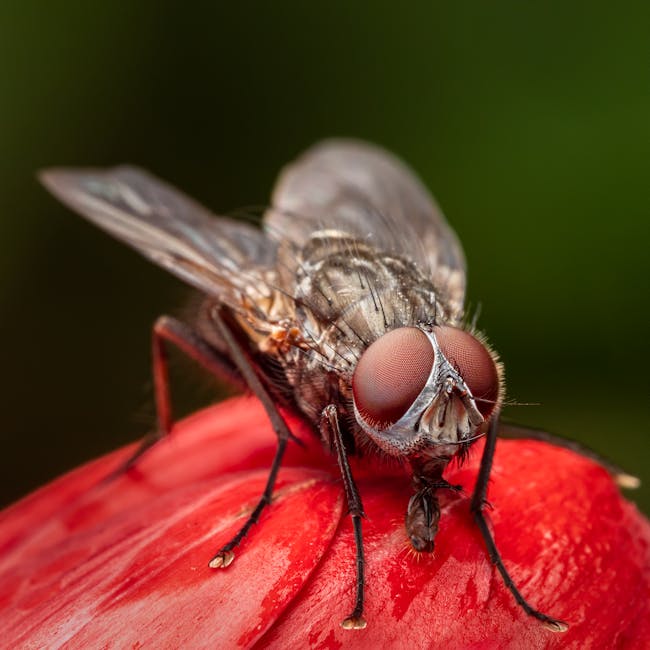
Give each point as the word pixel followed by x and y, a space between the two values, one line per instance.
pixel 426 390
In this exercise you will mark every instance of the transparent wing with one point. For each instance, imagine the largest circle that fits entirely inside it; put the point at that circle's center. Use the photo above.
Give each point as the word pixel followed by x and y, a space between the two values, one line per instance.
pixel 219 256
pixel 362 190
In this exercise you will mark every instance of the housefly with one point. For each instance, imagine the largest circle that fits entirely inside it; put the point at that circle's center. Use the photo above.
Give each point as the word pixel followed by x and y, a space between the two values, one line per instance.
pixel 347 305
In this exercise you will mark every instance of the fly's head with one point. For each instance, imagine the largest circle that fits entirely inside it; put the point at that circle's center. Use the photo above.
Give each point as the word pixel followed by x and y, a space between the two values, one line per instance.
pixel 426 391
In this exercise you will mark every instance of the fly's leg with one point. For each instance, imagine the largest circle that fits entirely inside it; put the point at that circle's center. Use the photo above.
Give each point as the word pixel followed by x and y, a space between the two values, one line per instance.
pixel 622 478
pixel 329 424
pixel 477 504
pixel 168 330
pixel 233 367
pixel 225 556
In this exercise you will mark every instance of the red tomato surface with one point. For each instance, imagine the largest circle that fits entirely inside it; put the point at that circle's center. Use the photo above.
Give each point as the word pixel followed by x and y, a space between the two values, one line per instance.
pixel 123 564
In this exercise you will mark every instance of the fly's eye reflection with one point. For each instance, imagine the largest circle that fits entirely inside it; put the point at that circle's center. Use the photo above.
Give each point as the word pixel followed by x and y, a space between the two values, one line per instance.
pixel 391 374
pixel 474 363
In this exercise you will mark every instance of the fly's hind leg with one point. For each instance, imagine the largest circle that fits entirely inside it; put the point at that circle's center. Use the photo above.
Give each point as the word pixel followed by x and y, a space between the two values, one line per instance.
pixel 168 330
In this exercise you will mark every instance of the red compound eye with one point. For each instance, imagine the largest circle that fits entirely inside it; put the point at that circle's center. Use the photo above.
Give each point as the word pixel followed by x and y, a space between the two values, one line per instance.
pixel 474 363
pixel 391 374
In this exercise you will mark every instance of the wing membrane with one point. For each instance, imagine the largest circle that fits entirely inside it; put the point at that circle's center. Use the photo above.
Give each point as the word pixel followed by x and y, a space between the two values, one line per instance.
pixel 363 190
pixel 347 186
pixel 219 256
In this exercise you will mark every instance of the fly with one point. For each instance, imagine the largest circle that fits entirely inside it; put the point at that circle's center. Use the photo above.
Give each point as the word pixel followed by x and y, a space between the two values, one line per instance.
pixel 346 305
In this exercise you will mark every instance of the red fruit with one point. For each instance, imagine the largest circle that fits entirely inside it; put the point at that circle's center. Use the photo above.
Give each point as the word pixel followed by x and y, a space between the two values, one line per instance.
pixel 124 564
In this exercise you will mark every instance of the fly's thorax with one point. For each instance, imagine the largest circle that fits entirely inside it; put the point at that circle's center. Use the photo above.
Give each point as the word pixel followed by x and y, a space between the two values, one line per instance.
pixel 426 390
pixel 349 294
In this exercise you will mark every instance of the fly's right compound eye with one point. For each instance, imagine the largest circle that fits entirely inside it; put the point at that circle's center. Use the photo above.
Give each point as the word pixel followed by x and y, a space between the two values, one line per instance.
pixel 391 374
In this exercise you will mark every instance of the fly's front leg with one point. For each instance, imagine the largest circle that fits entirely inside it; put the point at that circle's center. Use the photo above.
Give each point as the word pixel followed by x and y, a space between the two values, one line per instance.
pixel 329 424
pixel 168 330
pixel 477 504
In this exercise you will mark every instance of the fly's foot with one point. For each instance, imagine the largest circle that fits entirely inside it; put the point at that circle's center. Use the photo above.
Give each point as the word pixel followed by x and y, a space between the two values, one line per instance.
pixel 627 481
pixel 354 623
pixel 554 625
pixel 550 623
pixel 221 560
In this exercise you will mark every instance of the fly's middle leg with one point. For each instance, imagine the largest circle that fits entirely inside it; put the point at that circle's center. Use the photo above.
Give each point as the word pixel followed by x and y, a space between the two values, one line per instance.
pixel 242 362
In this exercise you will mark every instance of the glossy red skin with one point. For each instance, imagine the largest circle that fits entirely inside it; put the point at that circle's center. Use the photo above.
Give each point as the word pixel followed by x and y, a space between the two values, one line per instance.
pixel 124 564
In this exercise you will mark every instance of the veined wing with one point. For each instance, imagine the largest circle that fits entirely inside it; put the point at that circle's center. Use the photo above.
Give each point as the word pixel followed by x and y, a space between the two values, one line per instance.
pixel 221 257
pixel 356 188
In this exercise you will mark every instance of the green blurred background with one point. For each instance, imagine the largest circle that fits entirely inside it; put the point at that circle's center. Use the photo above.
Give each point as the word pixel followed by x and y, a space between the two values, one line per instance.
pixel 529 122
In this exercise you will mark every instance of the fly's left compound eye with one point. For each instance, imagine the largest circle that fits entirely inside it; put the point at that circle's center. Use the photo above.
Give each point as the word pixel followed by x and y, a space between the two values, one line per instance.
pixel 390 374
pixel 474 363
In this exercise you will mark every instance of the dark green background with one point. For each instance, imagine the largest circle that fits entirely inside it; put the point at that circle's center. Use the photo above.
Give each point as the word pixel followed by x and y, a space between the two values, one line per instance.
pixel 529 122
